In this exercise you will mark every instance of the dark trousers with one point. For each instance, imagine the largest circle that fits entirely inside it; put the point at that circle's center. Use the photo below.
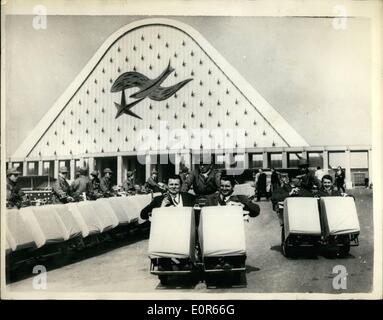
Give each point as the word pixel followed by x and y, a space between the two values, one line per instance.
pixel 340 186
pixel 261 193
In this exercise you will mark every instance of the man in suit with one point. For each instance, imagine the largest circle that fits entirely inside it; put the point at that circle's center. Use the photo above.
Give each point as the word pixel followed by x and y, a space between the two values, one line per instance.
pixel 173 198
pixel 225 197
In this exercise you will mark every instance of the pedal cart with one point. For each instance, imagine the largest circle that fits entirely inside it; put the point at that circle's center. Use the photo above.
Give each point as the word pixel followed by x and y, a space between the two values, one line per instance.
pixel 172 243
pixel 222 242
pixel 301 224
pixel 340 223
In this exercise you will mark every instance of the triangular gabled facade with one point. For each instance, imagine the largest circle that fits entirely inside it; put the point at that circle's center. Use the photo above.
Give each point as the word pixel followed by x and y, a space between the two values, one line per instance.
pixel 85 119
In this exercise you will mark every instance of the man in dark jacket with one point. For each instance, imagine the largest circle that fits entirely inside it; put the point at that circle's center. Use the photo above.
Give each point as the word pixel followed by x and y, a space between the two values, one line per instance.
pixel 173 198
pixel 81 185
pixel 261 185
pixel 275 183
pixel 286 190
pixel 14 194
pixel 307 176
pixel 61 188
pixel 225 197
pixel 129 184
pixel 152 183
pixel 95 181
pixel 204 180
pixel 106 183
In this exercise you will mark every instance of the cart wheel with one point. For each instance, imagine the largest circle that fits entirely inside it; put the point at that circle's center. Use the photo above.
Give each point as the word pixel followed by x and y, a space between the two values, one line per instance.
pixel 240 278
pixel 287 251
pixel 345 249
pixel 210 279
pixel 163 279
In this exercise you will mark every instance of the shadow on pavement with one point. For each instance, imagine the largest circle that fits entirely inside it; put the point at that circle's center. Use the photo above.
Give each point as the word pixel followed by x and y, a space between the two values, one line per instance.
pixel 250 269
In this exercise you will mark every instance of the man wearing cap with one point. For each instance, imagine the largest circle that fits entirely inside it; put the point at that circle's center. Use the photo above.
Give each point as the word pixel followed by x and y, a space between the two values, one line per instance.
pixel 152 182
pixel 14 194
pixel 129 184
pixel 287 189
pixel 306 176
pixel 106 183
pixel 205 180
pixel 81 185
pixel 61 188
pixel 95 181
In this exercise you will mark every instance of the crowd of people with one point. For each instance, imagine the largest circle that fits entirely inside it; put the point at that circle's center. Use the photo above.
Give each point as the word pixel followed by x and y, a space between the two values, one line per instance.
pixel 205 181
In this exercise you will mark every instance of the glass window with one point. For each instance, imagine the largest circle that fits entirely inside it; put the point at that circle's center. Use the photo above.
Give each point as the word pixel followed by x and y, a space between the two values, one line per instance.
pixel 32 168
pixel 256 160
pixel 236 161
pixel 48 168
pixel 275 160
pixel 359 159
pixel 293 159
pixel 220 161
pixel 336 159
pixel 315 159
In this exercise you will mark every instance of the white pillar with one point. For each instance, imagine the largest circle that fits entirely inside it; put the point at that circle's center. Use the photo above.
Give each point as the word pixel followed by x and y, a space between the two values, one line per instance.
pixel 264 163
pixel 56 169
pixel 246 157
pixel 284 160
pixel 72 169
pixel 119 170
pixel 124 163
pixel 348 180
pixel 147 166
pixel 91 164
pixel 40 168
pixel 25 168
pixel 228 156
pixel 177 160
pixel 325 161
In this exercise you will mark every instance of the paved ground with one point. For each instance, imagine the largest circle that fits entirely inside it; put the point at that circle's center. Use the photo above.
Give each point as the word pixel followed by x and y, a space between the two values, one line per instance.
pixel 126 269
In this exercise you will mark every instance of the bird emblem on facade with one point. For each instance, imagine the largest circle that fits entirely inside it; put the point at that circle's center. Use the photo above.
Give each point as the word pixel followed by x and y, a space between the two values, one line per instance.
pixel 148 88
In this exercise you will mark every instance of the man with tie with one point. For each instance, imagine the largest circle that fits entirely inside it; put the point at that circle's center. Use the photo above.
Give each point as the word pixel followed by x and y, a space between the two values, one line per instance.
pixel 173 198
pixel 225 197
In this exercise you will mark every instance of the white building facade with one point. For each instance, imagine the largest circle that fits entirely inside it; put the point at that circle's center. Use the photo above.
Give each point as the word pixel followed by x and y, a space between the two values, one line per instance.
pixel 157 94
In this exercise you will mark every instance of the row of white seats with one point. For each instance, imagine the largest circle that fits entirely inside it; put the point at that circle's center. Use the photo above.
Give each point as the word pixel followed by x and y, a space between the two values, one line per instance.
pixel 34 227
pixel 303 217
pixel 221 232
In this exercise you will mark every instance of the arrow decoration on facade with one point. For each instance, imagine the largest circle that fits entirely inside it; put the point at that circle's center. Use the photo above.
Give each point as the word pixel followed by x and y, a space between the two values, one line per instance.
pixel 148 88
